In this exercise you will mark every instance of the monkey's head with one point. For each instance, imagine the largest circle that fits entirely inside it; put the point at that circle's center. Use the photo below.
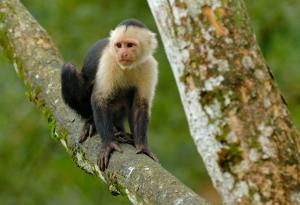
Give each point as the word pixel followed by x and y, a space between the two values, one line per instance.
pixel 131 43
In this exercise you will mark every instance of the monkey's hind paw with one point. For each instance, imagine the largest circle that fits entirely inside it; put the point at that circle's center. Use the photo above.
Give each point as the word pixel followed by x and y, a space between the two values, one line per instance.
pixel 104 154
pixel 143 149
pixel 124 137
pixel 87 131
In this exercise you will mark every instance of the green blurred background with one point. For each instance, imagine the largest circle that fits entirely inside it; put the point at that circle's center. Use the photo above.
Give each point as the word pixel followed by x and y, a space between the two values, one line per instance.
pixel 34 169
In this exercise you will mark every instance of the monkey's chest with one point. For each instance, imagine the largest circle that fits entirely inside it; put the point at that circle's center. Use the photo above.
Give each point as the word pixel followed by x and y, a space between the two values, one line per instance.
pixel 117 84
pixel 122 99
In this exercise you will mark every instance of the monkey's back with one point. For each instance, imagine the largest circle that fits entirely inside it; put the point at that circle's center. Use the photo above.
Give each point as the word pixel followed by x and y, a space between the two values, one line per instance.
pixel 91 60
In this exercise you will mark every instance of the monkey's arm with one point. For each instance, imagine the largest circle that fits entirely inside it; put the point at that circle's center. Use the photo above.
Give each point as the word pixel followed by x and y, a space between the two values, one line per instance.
pixel 139 118
pixel 103 121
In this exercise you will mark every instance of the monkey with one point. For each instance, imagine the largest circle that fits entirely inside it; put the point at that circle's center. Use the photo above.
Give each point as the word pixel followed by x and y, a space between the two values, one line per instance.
pixel 117 82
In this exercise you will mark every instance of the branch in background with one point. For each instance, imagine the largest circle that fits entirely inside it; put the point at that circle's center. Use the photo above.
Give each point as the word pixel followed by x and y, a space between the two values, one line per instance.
pixel 38 63
pixel 236 115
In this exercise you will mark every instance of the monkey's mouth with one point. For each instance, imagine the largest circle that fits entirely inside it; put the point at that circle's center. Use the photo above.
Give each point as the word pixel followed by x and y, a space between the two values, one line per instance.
pixel 125 61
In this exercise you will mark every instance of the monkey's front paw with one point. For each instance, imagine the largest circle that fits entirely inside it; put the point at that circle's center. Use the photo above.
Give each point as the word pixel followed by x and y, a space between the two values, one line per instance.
pixel 104 154
pixel 144 149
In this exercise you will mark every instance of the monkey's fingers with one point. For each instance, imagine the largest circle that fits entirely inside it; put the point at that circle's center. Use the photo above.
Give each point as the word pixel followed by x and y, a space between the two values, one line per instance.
pixel 145 150
pixel 153 156
pixel 91 130
pixel 83 136
pixel 116 147
pixel 87 131
pixel 105 161
pixel 104 154
pixel 101 161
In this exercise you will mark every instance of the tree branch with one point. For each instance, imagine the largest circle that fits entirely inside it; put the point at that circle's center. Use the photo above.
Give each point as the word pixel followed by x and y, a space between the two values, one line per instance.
pixel 237 118
pixel 38 63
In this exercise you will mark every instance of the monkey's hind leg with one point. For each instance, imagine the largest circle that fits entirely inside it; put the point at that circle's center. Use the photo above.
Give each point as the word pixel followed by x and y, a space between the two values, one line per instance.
pixel 120 133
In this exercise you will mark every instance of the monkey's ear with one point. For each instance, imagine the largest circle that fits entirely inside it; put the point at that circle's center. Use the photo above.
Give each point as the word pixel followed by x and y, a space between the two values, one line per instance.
pixel 154 42
pixel 151 42
pixel 112 34
pixel 116 33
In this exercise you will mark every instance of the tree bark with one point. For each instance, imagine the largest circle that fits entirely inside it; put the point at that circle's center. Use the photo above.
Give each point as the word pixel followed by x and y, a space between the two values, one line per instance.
pixel 236 115
pixel 38 63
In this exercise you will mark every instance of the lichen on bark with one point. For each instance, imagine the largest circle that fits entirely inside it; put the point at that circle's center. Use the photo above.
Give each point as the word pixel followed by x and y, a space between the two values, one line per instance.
pixel 236 115
pixel 38 63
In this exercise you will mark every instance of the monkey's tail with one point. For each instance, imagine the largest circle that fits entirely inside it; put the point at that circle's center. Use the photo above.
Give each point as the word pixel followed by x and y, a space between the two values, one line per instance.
pixel 74 91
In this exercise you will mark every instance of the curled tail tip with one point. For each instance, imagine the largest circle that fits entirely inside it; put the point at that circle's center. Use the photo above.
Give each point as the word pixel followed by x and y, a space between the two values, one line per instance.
pixel 68 66
pixel 68 71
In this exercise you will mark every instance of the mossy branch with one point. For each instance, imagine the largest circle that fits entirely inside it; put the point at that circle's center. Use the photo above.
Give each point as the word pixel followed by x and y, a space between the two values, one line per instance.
pixel 38 64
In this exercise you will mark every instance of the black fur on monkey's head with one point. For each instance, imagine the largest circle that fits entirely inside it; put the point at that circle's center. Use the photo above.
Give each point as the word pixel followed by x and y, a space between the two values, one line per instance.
pixel 133 22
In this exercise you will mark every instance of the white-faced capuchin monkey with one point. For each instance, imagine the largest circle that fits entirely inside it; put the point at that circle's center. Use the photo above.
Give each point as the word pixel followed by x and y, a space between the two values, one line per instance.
pixel 117 81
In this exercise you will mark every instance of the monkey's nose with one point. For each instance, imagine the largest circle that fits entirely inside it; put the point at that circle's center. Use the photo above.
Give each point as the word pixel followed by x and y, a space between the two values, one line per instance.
pixel 124 55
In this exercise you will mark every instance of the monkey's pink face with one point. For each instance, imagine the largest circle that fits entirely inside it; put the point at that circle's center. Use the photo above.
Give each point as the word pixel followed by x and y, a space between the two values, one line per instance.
pixel 127 51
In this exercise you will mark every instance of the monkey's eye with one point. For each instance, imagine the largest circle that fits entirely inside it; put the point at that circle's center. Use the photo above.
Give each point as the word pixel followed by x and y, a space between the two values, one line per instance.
pixel 118 45
pixel 130 45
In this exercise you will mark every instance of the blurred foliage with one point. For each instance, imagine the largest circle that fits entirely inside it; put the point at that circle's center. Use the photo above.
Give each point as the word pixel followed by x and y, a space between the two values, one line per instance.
pixel 34 169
